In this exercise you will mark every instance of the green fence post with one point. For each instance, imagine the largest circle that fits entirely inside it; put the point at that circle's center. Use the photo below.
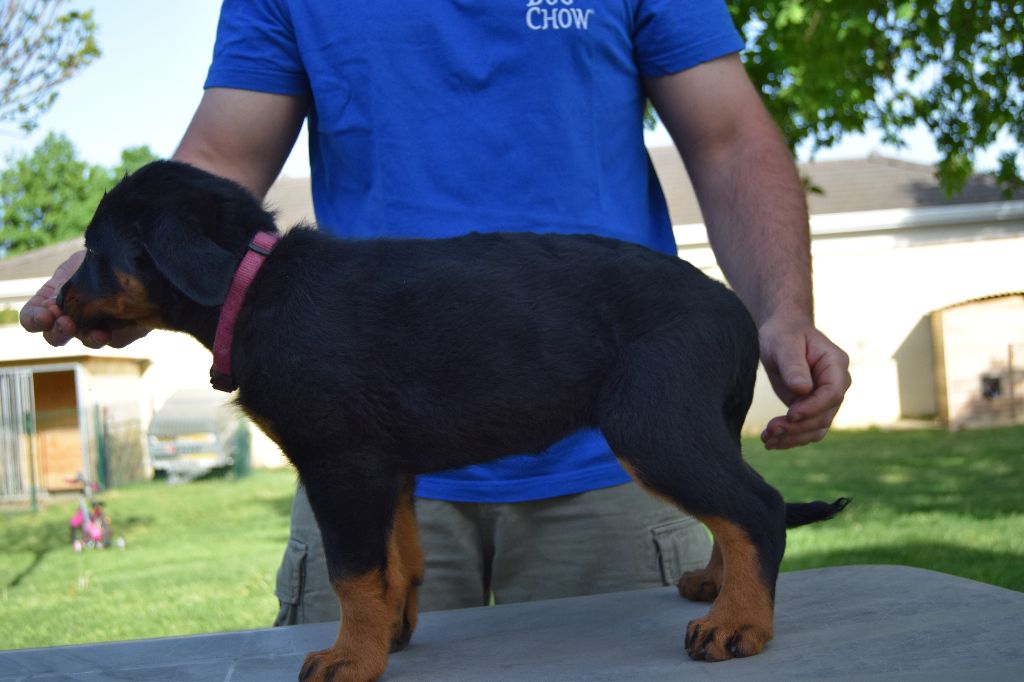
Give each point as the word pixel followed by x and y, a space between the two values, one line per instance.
pixel 102 472
pixel 29 431
pixel 243 451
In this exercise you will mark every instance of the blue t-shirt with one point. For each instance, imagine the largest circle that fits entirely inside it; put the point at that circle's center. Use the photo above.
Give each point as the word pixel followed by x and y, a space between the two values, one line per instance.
pixel 434 119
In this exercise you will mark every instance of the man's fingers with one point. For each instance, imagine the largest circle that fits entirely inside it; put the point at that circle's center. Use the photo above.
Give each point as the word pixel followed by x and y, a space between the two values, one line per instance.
pixel 41 313
pixel 56 337
pixel 36 317
pixel 795 374
pixel 122 337
pixel 785 359
pixel 831 381
pixel 796 440
pixel 827 397
pixel 98 338
pixel 95 339
pixel 781 433
pixel 811 412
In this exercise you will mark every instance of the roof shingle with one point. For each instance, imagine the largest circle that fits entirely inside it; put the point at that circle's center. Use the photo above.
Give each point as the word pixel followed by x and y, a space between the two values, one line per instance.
pixel 869 184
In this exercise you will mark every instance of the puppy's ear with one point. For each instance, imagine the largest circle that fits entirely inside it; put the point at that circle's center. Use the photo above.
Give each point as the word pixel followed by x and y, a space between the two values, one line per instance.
pixel 193 263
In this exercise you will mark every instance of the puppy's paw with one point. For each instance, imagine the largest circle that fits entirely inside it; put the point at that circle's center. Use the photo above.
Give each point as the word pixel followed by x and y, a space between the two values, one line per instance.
pixel 699 585
pixel 404 623
pixel 331 665
pixel 711 639
pixel 401 634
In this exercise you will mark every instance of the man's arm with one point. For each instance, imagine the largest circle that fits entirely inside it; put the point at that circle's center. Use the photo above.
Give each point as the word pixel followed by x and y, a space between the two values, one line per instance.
pixel 754 208
pixel 241 135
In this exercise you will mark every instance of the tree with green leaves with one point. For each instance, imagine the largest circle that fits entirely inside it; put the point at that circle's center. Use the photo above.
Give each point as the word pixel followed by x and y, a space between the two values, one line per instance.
pixel 41 46
pixel 831 67
pixel 49 195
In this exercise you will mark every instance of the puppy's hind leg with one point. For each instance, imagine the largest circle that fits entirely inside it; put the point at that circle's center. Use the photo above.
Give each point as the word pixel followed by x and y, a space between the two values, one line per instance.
pixel 704 584
pixel 669 417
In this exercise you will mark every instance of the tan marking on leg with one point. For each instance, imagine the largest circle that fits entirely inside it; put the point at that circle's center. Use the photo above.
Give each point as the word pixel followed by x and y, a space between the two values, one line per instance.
pixel 740 620
pixel 371 604
pixel 360 653
pixel 704 584
pixel 410 554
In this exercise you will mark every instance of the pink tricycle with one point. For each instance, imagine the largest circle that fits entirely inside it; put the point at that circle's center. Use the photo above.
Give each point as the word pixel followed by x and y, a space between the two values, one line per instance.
pixel 90 527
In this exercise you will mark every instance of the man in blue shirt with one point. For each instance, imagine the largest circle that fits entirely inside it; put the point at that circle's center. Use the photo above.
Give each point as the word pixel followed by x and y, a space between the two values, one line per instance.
pixel 452 117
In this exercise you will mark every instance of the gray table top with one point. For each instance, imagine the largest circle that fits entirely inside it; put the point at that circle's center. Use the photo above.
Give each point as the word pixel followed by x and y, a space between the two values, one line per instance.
pixel 848 623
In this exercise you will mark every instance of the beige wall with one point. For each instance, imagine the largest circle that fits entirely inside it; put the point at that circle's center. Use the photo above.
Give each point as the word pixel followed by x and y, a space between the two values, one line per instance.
pixel 874 292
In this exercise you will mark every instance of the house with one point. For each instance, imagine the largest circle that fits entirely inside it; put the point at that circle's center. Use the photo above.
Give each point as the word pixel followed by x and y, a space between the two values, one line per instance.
pixel 73 410
pixel 925 292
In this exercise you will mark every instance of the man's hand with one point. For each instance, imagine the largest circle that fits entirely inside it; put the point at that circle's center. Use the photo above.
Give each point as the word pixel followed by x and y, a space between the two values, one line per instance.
pixel 237 134
pixel 809 373
pixel 41 314
pixel 754 208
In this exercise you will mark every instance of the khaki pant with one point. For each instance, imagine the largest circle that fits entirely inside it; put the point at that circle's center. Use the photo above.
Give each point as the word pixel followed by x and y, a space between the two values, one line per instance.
pixel 605 540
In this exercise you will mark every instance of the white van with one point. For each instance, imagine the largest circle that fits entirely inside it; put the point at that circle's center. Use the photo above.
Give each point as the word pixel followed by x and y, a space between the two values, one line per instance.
pixel 194 433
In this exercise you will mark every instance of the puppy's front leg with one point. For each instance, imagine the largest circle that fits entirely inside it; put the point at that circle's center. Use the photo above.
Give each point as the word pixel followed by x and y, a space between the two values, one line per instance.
pixel 365 529
pixel 360 652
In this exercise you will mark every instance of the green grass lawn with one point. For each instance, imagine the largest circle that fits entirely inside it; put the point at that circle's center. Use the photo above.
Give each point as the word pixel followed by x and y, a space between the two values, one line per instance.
pixel 951 502
pixel 202 557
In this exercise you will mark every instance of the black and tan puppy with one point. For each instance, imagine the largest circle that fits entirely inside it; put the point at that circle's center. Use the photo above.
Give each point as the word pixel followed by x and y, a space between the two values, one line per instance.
pixel 369 362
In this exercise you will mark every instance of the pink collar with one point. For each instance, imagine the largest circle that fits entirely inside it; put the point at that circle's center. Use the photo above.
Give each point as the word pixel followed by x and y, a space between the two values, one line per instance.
pixel 259 248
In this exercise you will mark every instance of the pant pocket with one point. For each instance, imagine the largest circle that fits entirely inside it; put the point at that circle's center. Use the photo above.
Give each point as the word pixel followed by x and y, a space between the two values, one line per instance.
pixel 681 545
pixel 291 576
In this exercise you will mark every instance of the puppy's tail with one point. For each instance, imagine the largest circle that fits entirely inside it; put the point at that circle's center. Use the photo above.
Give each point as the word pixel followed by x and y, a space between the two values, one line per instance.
pixel 802 513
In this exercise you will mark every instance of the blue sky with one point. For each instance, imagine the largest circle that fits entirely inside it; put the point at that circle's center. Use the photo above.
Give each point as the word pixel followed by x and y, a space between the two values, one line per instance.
pixel 145 87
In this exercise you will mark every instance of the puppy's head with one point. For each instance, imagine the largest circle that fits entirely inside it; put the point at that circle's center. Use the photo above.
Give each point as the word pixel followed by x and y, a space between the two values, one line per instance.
pixel 166 239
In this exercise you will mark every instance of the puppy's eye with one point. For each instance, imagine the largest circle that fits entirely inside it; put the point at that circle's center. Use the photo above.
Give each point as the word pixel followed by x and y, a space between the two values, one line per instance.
pixel 96 257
